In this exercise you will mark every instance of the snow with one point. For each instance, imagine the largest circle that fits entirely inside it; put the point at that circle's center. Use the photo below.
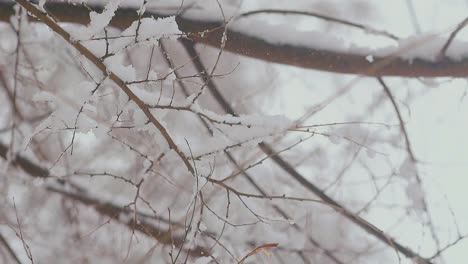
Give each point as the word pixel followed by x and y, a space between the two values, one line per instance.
pixel 149 33
pixel 147 97
pixel 97 21
pixel 41 5
pixel 274 123
pixel 370 58
pixel 334 139
pixel 203 260
pixel 161 28
pixel 115 65
pixel 424 46
pixel 416 195
pixel 436 126
pixel 203 226
pixel 211 13
pixel 371 153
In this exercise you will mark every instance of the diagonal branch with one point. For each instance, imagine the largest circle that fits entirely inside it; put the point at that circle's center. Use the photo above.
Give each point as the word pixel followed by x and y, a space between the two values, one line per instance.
pixel 389 94
pixel 215 92
pixel 78 194
pixel 8 248
pixel 366 226
pixel 411 155
pixel 117 213
pixel 362 223
pixel 103 68
pixel 452 37
pixel 283 213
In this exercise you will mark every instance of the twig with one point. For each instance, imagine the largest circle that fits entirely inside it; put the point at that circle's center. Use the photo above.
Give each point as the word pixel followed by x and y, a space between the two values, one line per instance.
pixel 366 226
pixel 103 68
pixel 7 246
pixel 411 155
pixel 258 249
pixel 451 38
pixel 20 235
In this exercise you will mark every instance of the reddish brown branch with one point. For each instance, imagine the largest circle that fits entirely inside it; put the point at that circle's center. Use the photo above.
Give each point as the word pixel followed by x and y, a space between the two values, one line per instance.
pixel 255 47
pixel 258 249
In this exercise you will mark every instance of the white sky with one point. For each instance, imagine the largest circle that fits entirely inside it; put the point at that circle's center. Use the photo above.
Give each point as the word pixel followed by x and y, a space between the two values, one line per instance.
pixel 437 119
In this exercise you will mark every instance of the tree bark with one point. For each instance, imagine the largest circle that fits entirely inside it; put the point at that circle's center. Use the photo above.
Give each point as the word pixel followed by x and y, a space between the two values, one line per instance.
pixel 254 47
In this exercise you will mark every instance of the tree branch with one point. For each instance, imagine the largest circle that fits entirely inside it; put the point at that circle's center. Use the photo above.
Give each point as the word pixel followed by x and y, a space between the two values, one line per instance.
pixel 362 223
pixel 8 248
pixel 116 79
pixel 250 46
pixel 106 208
pixel 115 212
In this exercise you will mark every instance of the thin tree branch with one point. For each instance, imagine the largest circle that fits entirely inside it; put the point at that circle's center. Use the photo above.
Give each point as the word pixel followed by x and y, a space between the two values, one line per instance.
pixel 190 49
pixel 390 96
pixel 142 222
pixel 366 226
pixel 9 249
pixel 411 155
pixel 451 38
pixel 103 68
pixel 283 213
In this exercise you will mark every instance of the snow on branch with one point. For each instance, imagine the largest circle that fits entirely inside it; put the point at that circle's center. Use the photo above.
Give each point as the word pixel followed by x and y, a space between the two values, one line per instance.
pixel 417 56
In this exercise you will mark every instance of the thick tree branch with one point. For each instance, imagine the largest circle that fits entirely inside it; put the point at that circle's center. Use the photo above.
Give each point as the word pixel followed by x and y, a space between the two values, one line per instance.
pixel 258 48
pixel 25 164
